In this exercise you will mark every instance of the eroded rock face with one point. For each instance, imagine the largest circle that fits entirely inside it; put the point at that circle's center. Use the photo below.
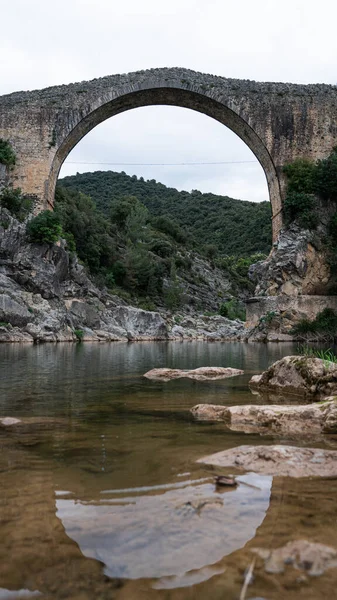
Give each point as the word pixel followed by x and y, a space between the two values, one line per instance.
pixel 300 376
pixel 307 418
pixel 46 296
pixel 284 461
pixel 201 374
pixel 296 265
pixel 213 328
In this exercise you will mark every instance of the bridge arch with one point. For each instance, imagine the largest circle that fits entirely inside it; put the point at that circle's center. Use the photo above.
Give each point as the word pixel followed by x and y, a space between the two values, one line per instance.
pixel 278 121
pixel 170 97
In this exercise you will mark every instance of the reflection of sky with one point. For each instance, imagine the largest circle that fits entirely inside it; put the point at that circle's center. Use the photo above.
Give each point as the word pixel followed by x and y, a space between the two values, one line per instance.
pixel 167 534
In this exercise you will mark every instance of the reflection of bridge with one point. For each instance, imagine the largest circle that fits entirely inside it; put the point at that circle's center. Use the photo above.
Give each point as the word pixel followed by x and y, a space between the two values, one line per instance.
pixel 279 122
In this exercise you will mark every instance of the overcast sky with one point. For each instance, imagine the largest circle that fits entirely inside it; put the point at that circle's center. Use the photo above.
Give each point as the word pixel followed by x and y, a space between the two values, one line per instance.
pixel 47 43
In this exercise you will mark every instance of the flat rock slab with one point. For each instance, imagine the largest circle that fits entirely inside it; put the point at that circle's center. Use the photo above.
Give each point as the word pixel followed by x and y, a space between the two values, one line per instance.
pixel 283 461
pixel 312 558
pixel 200 374
pixel 9 421
pixel 299 376
pixel 31 424
pixel 306 418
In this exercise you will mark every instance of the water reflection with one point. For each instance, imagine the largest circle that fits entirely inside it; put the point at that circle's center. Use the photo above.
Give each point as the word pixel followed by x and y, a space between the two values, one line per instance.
pixel 104 479
pixel 54 379
pixel 166 534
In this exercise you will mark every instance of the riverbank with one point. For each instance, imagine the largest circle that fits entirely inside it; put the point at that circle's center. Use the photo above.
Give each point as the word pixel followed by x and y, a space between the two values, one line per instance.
pixel 47 296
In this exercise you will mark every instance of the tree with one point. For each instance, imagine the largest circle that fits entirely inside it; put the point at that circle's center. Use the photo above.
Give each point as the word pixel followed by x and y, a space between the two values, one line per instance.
pixel 45 228
pixel 7 154
pixel 173 293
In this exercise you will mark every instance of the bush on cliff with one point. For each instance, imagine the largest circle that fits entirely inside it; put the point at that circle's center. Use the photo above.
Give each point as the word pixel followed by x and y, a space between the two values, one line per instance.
pixel 7 154
pixel 324 324
pixel 308 181
pixel 45 228
pixel 233 309
pixel 301 176
pixel 16 203
pixel 326 177
pixel 301 207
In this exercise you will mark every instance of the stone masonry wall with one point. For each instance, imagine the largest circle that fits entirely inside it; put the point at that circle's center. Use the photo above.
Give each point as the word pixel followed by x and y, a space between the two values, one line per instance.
pixel 303 306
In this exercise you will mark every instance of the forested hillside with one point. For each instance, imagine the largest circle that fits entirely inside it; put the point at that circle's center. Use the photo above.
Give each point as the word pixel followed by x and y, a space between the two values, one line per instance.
pixel 215 224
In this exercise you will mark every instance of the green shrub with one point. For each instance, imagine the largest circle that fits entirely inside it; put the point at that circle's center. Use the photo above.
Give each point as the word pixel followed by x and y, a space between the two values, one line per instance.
pixel 79 334
pixel 324 354
pixel 324 323
pixel 233 309
pixel 170 227
pixel 161 247
pixel 210 251
pixel 147 304
pixel 110 280
pixel 301 176
pixel 326 177
pixel 301 207
pixel 70 241
pixel 305 180
pixel 173 293
pixel 268 317
pixel 16 203
pixel 327 320
pixel 45 228
pixel 333 228
pixel 119 272
pixel 7 154
pixel 121 209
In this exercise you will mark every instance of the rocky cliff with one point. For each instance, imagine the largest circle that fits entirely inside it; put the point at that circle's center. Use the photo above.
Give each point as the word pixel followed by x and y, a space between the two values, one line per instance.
pixel 297 265
pixel 46 296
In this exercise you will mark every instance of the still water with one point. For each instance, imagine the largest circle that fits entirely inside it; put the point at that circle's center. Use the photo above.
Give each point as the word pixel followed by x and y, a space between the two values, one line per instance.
pixel 101 496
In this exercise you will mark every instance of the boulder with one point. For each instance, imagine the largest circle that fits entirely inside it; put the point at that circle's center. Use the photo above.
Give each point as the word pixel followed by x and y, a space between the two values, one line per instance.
pixel 12 312
pixel 14 334
pixel 305 418
pixel 82 313
pixel 310 557
pixel 139 324
pixel 300 376
pixel 201 374
pixel 283 461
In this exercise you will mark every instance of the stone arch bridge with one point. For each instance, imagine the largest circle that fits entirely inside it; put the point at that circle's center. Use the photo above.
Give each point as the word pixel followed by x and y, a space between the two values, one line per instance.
pixel 278 121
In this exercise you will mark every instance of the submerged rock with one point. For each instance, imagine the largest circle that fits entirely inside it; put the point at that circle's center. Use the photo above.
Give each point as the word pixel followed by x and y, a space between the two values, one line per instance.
pixel 283 461
pixel 305 418
pixel 32 424
pixel 299 375
pixel 307 556
pixel 201 374
pixel 8 421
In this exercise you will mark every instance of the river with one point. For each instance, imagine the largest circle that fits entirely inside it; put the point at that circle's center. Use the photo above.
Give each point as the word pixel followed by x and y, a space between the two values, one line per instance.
pixel 101 496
